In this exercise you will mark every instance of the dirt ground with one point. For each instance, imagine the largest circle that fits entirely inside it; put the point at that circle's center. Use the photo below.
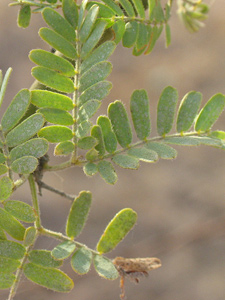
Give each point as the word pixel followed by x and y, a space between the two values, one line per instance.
pixel 180 203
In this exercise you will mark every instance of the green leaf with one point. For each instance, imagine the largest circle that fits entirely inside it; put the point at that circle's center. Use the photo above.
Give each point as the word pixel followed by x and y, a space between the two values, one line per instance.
pixel 10 224
pixel 29 236
pixel 50 278
pixel 97 91
pixel 166 110
pixel 107 172
pixel 59 24
pixel 16 110
pixel 114 7
pixel 163 151
pixel 87 142
pixel 6 186
pixel 51 61
pixel 51 100
pixel 140 8
pixel 88 109
pixel 12 249
pixel 24 165
pixel 53 79
pixel 4 84
pixel 70 12
pixel 104 11
pixel 183 141
pixel 3 169
pixel 56 116
pixel 168 35
pixel 56 133
pixel 105 267
pixel 2 158
pixel 218 134
pixel 6 280
pixel 8 265
pixel 157 14
pixel 142 38
pixel 81 260
pixel 143 154
pixel 82 12
pixel 120 123
pixel 58 42
pixel 36 147
pixel 2 234
pixel 127 6
pixel 188 110
pixel 118 29
pixel 93 39
pixel 44 258
pixel 97 73
pixel 78 214
pixel 63 250
pixel 130 35
pixel 91 155
pixel 83 129
pixel 126 161
pixel 20 210
pixel 90 169
pixel 25 130
pixel 24 16
pixel 88 23
pixel 64 148
pixel 96 132
pixel 154 34
pixel 139 107
pixel 109 136
pixel 116 230
pixel 101 53
pixel 210 113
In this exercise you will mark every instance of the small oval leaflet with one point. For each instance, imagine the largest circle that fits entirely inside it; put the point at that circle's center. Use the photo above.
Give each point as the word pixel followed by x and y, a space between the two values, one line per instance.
pixel 143 154
pixel 126 161
pixel 109 136
pixel 10 224
pixel 63 250
pixel 8 265
pixel 44 258
pixel 78 214
pixel 20 210
pixel 29 236
pixel 24 165
pixel 12 249
pixel 81 260
pixel 117 229
pixel 105 267
pixel 64 148
pixel 6 280
pixel 6 186
pixel 56 116
pixel 56 133
pixel 50 278
pixel 107 172
pixel 70 12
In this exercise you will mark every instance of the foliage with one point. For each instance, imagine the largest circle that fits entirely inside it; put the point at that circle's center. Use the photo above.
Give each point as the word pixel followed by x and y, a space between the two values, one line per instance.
pixel 84 37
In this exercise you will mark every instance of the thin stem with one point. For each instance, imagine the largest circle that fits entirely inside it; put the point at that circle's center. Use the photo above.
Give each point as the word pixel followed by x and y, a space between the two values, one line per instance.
pixel 52 189
pixel 35 201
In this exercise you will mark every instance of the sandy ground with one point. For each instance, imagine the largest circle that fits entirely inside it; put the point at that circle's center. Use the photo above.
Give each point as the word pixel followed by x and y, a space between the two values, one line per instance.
pixel 180 203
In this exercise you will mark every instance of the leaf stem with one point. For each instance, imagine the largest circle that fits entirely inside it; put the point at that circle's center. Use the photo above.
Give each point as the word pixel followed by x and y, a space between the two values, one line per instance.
pixel 52 189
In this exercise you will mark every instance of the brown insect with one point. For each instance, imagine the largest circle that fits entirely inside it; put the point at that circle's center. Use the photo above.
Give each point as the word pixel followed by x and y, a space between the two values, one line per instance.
pixel 134 268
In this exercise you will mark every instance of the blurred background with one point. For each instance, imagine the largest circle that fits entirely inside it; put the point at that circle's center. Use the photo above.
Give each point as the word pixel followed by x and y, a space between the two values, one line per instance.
pixel 180 203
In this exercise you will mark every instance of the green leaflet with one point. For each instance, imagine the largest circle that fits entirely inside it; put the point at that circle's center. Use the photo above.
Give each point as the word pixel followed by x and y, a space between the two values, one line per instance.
pixel 188 110
pixel 29 236
pixel 154 34
pixel 168 35
pixel 44 258
pixel 36 147
pixel 10 224
pixel 8 265
pixel 59 24
pixel 109 136
pixel 56 133
pixel 88 23
pixel 163 151
pixel 20 210
pixel 143 154
pixel 210 113
pixel 126 161
pixel 51 61
pixel 107 172
pixel 64 148
pixel 83 129
pixel 2 235
pixel 53 79
pixel 118 29
pixel 88 109
pixel 130 35
pixel 142 38
pixel 70 12
pixel 166 110
pixel 97 91
pixel 105 267
pixel 78 214
pixel 58 42
pixel 101 53
pixel 16 110
pixel 90 169
pixel 25 130
pixel 50 278
pixel 82 12
pixel 126 4
pixel 12 249
pixel 41 98
pixel 218 134
pixel 4 84
pixel 6 280
pixel 63 250
pixel 24 16
pixel 6 186
pixel 139 8
pixel 56 116
pixel 120 123
pixel 91 155
pixel 139 107
pixel 3 169
pixel 104 11
pixel 183 141
pixel 2 158
pixel 87 142
pixel 24 165
pixel 96 132
pixel 116 230
pixel 117 10
pixel 81 261
pixel 96 73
